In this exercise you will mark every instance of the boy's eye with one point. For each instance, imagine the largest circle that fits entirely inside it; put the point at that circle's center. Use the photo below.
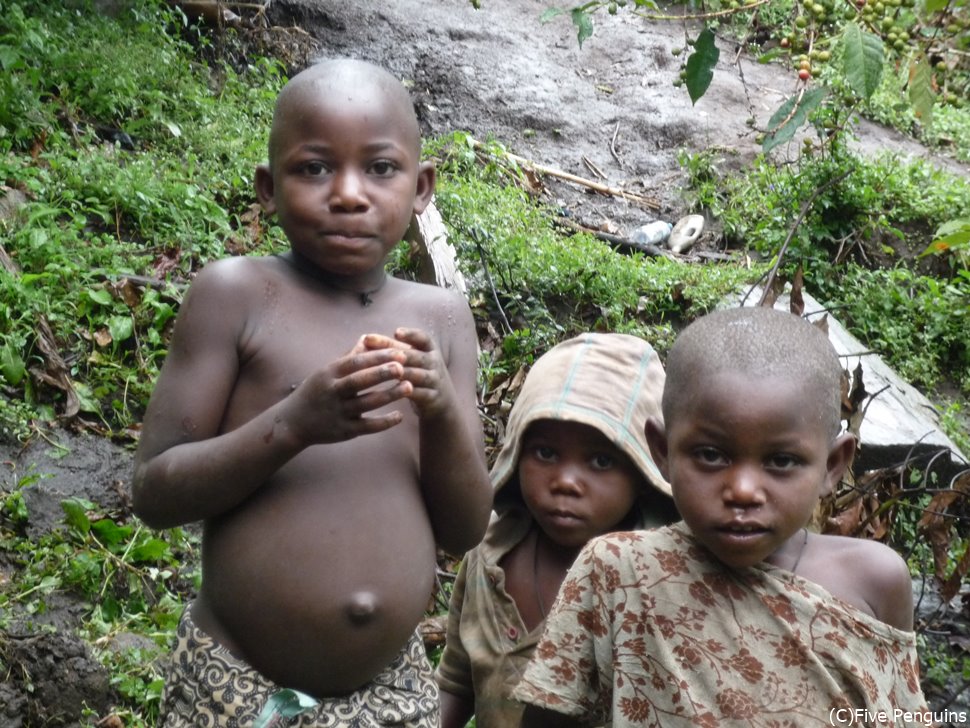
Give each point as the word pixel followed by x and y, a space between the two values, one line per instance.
pixel 315 169
pixel 782 461
pixel 383 168
pixel 709 456
pixel 544 453
pixel 603 462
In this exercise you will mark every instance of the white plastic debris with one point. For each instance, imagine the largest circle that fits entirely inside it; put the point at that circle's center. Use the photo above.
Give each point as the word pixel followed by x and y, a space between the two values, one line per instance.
pixel 685 233
pixel 653 233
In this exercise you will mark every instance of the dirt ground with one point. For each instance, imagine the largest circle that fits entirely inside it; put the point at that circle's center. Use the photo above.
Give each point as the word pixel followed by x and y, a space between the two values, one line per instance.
pixel 607 113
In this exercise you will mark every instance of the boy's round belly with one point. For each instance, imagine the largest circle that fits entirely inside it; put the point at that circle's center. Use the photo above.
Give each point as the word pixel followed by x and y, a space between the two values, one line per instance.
pixel 316 591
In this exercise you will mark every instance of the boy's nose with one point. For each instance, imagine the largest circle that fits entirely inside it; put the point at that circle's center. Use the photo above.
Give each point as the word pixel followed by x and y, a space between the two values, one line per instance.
pixel 347 192
pixel 567 480
pixel 742 488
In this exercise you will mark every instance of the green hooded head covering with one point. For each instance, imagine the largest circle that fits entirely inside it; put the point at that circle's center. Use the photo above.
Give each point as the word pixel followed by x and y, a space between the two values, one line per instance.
pixel 612 382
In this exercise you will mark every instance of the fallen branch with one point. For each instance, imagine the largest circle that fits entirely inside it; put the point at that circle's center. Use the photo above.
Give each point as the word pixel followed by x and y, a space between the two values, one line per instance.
pixel 595 186
pixel 217 12
pixel 646 248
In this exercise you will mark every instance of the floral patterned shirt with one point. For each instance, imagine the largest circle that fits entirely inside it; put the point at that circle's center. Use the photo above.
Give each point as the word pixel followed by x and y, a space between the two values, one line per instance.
pixel 650 630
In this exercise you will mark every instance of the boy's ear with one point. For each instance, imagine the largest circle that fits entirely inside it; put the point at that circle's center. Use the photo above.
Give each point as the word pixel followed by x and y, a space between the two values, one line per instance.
pixel 265 188
pixel 840 458
pixel 656 435
pixel 427 176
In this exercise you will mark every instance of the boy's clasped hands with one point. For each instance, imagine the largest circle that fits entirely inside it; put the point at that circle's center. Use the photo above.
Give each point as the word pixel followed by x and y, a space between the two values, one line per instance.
pixel 339 401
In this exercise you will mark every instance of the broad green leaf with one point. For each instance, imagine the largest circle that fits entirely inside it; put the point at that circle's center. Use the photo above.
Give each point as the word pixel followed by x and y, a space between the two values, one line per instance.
pixel 86 398
pixel 952 226
pixel 862 58
pixel 99 295
pixel 12 366
pixel 151 550
pixel 28 279
pixel 283 704
pixel 110 608
pixel 933 6
pixel 120 328
pixel 8 57
pixel 791 116
pixel 583 23
pixel 109 532
pixel 921 94
pixel 700 65
pixel 76 516
pixel 954 241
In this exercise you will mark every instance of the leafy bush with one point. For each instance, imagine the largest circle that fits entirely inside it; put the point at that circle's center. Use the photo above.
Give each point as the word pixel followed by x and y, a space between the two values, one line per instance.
pixel 136 160
pixel 858 211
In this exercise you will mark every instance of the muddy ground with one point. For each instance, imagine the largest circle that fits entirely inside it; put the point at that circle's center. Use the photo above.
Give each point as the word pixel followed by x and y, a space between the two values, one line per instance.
pixel 607 113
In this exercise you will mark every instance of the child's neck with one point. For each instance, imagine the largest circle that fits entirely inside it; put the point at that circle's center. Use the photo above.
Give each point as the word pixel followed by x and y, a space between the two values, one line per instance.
pixel 550 562
pixel 364 287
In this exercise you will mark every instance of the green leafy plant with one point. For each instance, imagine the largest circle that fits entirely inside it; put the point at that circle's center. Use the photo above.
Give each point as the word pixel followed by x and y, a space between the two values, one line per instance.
pixel 130 155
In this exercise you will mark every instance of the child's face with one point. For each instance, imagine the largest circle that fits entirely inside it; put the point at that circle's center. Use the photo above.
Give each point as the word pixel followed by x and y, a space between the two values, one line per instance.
pixel 576 483
pixel 747 459
pixel 346 178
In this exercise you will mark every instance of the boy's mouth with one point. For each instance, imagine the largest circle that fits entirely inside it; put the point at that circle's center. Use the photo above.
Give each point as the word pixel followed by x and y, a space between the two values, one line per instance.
pixel 347 234
pixel 742 528
pixel 564 517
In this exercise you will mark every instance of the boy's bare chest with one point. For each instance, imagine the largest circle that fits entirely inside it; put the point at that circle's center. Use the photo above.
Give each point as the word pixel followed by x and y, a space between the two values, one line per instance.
pixel 304 333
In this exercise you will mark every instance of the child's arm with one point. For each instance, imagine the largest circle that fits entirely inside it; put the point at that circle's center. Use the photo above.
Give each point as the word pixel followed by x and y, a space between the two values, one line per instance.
pixel 534 717
pixel 454 672
pixel 186 468
pixel 454 478
pixel 455 710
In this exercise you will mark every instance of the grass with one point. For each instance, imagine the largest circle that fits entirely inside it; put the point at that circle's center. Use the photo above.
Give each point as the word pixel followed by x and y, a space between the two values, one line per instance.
pixel 133 142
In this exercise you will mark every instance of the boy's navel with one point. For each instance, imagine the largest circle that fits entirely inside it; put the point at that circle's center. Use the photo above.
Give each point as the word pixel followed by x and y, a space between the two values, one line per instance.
pixel 362 607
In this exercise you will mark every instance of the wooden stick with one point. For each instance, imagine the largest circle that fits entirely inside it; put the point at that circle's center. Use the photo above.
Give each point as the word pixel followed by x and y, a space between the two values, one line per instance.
pixel 595 186
pixel 646 248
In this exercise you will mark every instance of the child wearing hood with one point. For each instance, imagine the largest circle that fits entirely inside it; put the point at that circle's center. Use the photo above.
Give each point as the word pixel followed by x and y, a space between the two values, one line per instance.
pixel 575 464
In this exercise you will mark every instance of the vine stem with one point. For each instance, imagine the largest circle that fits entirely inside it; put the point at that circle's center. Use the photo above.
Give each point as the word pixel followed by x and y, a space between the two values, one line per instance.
pixel 806 206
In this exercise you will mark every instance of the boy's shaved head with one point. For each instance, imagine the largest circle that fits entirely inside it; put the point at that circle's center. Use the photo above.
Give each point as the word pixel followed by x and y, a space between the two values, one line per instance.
pixel 367 87
pixel 759 342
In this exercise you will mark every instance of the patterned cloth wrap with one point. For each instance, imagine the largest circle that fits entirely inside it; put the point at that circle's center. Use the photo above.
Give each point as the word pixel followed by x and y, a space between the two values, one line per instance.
pixel 207 687
pixel 632 639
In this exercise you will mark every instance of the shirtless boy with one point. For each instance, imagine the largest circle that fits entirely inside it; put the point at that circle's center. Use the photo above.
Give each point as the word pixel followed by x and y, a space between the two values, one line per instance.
pixel 320 418
pixel 739 615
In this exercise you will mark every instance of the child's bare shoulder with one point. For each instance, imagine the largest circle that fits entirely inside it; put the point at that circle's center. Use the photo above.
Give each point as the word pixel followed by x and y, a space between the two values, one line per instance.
pixel 873 571
pixel 862 552
pixel 442 305
pixel 229 283
pixel 431 293
pixel 233 273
